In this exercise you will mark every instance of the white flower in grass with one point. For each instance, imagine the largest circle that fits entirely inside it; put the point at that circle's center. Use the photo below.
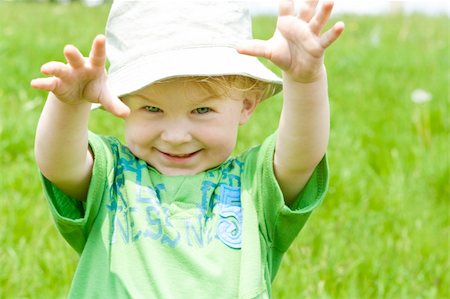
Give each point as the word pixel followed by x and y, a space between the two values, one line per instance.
pixel 420 96
pixel 375 37
pixel 31 105
pixel 421 115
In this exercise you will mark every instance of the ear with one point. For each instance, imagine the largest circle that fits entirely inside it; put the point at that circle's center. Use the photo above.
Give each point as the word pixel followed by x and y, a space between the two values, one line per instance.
pixel 248 106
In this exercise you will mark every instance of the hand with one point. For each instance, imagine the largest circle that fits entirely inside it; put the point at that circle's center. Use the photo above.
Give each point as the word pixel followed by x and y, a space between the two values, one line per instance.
pixel 297 46
pixel 81 79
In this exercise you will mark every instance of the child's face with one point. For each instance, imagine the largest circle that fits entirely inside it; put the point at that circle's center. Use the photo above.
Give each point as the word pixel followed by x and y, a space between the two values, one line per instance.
pixel 181 129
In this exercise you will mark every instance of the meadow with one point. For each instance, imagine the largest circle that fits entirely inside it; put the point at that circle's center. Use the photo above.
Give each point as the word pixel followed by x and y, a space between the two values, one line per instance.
pixel 383 229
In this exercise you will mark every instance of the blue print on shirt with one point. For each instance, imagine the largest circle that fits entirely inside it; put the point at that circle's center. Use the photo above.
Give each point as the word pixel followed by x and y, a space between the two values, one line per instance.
pixel 218 216
pixel 229 225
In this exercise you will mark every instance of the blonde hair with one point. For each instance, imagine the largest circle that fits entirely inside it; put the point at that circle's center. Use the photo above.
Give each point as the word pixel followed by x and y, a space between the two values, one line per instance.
pixel 223 85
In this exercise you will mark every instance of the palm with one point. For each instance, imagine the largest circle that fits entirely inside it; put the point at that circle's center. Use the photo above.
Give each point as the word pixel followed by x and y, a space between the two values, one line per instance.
pixel 81 79
pixel 80 84
pixel 297 46
pixel 295 49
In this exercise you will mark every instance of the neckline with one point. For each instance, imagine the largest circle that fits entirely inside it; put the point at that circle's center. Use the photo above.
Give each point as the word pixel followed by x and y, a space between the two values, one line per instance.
pixel 202 173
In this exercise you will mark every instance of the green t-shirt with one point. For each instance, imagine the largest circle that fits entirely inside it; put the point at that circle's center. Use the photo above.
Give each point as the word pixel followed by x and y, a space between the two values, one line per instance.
pixel 218 234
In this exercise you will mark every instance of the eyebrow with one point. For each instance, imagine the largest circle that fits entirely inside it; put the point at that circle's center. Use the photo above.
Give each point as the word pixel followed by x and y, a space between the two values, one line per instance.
pixel 192 100
pixel 206 99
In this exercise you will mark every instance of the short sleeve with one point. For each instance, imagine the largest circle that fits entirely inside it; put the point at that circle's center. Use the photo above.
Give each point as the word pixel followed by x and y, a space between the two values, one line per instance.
pixel 72 217
pixel 292 219
pixel 279 223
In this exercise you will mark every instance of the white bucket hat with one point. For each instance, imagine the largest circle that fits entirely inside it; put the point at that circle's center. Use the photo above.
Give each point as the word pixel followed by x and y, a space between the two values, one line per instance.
pixel 149 41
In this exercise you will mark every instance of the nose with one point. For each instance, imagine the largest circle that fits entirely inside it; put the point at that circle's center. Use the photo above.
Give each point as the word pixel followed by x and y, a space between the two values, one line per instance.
pixel 176 132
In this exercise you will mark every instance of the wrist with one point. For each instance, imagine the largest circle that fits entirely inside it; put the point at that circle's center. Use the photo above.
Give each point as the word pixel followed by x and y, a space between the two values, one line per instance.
pixel 309 78
pixel 318 83
pixel 311 92
pixel 74 105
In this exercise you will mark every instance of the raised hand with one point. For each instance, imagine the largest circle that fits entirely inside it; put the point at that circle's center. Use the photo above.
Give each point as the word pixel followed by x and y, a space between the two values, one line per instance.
pixel 81 79
pixel 298 46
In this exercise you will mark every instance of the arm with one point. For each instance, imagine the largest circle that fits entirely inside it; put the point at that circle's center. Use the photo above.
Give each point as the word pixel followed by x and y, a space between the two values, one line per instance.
pixel 61 145
pixel 297 47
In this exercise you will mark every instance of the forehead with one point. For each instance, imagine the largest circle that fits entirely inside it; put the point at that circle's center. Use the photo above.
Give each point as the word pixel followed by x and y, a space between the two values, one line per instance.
pixel 179 88
pixel 191 90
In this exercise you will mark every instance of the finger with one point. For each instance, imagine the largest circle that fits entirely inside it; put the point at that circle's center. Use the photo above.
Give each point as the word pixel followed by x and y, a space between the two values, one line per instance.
pixel 286 8
pixel 74 56
pixel 114 105
pixel 321 18
pixel 307 9
pixel 48 84
pixel 331 35
pixel 54 68
pixel 97 56
pixel 255 47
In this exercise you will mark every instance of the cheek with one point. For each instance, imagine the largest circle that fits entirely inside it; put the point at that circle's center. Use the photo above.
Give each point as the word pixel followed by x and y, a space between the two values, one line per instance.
pixel 129 132
pixel 135 133
pixel 221 137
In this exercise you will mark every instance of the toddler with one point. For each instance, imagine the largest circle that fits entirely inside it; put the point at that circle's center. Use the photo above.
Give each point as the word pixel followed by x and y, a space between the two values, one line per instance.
pixel 170 214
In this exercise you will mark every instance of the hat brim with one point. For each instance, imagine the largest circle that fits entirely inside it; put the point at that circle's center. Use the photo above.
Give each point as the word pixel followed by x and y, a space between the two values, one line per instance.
pixel 199 61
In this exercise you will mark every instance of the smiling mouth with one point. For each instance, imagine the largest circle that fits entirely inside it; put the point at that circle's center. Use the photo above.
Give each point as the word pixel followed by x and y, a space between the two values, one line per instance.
pixel 179 157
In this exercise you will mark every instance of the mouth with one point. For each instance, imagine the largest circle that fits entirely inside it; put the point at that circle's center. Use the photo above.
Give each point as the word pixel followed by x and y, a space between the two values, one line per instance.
pixel 175 157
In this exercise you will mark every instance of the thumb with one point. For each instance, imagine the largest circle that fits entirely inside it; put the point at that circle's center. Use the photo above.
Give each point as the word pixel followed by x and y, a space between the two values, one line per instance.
pixel 114 105
pixel 254 47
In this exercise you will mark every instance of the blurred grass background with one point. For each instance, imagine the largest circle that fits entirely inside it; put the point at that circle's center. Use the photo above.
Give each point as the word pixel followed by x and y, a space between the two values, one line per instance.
pixel 383 230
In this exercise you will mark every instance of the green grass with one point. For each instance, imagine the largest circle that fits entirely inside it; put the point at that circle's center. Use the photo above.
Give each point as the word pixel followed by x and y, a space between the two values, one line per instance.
pixel 383 230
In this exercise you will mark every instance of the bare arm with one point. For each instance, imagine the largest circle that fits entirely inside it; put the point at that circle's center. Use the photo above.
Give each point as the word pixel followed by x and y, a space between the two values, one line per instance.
pixel 303 134
pixel 61 145
pixel 297 47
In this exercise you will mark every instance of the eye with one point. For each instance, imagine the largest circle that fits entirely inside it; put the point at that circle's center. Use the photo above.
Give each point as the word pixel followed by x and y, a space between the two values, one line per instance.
pixel 201 110
pixel 152 109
